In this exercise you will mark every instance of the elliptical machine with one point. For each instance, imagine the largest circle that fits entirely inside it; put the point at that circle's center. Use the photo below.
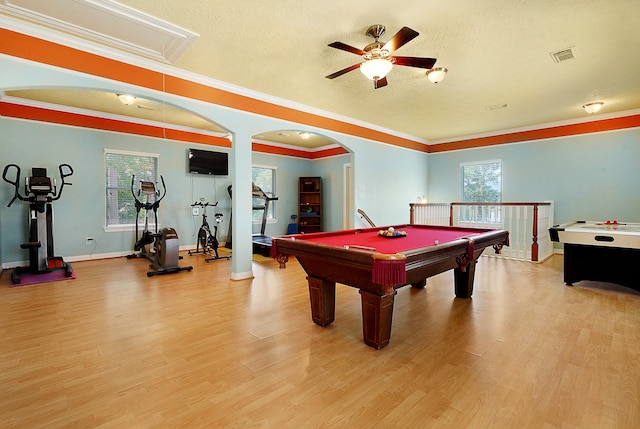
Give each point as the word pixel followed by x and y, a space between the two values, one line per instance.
pixel 39 191
pixel 164 254
pixel 149 191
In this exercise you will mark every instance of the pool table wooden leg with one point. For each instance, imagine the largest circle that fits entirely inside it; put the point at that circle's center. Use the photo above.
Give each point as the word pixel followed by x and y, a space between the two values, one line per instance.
pixel 323 300
pixel 419 284
pixel 464 280
pixel 377 312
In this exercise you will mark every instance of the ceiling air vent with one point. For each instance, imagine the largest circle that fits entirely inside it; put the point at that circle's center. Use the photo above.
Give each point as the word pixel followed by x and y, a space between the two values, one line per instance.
pixel 496 106
pixel 563 55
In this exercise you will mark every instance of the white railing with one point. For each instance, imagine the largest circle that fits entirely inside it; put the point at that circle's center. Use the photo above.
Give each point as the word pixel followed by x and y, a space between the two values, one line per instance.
pixel 527 223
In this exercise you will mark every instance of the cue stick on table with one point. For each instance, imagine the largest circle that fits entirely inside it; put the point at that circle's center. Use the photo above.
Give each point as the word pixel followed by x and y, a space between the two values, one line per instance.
pixel 357 247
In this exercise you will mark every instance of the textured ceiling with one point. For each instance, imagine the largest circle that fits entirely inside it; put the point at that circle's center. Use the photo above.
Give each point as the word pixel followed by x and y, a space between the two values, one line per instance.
pixel 498 52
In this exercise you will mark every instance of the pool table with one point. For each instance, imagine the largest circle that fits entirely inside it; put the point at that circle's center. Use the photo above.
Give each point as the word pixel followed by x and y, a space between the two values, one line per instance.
pixel 379 264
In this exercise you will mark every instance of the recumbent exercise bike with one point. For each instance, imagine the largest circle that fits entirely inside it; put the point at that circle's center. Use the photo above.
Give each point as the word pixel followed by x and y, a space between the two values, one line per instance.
pixel 39 191
pixel 159 247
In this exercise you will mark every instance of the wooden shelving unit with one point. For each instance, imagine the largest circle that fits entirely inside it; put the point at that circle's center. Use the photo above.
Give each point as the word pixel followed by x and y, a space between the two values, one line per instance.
pixel 310 204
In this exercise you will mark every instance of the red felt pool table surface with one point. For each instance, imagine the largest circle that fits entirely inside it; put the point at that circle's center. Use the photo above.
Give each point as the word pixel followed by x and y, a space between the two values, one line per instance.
pixel 417 237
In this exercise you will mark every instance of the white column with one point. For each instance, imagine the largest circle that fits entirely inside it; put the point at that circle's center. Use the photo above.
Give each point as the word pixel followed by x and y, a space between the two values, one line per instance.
pixel 241 266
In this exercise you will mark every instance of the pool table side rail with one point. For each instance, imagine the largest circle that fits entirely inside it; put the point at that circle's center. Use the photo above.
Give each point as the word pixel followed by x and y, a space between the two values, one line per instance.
pixel 355 266
pixel 376 229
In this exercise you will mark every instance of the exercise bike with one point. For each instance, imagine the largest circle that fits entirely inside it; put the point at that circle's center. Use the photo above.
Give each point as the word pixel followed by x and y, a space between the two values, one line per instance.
pixel 159 247
pixel 40 192
pixel 209 242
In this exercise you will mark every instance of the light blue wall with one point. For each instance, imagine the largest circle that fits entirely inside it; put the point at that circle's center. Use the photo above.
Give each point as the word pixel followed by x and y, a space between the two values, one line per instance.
pixel 288 170
pixel 589 177
pixel 80 212
pixel 332 172
pixel 385 178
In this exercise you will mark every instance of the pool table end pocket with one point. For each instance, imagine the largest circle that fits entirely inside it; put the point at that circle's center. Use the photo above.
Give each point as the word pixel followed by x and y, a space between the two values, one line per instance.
pixel 389 269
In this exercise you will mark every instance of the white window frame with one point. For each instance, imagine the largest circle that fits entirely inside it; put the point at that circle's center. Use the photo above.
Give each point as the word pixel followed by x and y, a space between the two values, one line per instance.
pixel 132 226
pixel 495 215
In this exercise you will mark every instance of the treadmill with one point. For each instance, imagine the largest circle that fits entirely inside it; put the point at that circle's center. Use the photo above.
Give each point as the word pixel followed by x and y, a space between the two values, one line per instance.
pixel 261 201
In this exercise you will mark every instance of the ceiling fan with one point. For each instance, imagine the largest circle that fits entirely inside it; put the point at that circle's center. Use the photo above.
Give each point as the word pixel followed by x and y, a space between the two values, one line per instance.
pixel 378 58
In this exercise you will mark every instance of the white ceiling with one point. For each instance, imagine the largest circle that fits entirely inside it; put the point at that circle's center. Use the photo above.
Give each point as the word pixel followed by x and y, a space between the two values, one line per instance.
pixel 498 52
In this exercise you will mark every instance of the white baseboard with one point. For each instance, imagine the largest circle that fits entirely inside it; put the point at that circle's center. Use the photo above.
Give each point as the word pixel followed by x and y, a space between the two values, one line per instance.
pixel 242 276
pixel 82 258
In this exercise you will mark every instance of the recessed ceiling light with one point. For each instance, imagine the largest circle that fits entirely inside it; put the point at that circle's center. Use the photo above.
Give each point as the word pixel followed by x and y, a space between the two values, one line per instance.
pixel 593 107
pixel 126 99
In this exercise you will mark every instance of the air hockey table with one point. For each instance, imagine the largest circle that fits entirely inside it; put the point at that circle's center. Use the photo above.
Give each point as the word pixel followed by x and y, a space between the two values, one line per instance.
pixel 606 251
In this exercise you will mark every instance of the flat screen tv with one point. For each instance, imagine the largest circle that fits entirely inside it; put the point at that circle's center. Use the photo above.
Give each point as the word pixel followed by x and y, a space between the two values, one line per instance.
pixel 208 162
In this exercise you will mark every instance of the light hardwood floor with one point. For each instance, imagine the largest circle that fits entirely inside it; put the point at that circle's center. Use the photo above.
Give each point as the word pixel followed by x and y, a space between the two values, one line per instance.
pixel 115 349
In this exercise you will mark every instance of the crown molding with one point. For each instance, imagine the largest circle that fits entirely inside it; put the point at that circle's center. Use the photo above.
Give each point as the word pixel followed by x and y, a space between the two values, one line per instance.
pixel 568 122
pixel 109 23
pixel 40 32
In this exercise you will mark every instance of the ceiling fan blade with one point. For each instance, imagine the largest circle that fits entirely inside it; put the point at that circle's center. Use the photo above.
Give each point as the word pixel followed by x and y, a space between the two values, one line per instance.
pixel 345 47
pixel 423 63
pixel 380 83
pixel 343 71
pixel 400 38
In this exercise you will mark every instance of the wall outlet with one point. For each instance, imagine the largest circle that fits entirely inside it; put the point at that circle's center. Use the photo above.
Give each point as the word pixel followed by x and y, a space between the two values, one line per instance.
pixel 88 240
pixel 195 211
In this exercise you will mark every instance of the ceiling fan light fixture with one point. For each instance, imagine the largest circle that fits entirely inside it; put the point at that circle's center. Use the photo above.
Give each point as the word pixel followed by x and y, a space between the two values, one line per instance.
pixel 437 74
pixel 305 135
pixel 126 99
pixel 376 68
pixel 593 107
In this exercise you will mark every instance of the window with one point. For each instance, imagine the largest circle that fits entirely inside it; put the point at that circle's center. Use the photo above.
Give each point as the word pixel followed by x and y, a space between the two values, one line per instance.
pixel 481 183
pixel 265 178
pixel 120 167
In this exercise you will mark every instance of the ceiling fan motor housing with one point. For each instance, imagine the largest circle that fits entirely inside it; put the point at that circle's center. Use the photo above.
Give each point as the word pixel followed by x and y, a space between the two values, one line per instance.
pixel 374 51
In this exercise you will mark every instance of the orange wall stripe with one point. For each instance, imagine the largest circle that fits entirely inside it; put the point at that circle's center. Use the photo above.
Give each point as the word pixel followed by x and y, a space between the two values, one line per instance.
pixel 38 50
pixel 192 137
pixel 329 152
pixel 277 150
pixel 65 118
pixel 43 51
pixel 632 121
pixel 209 94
